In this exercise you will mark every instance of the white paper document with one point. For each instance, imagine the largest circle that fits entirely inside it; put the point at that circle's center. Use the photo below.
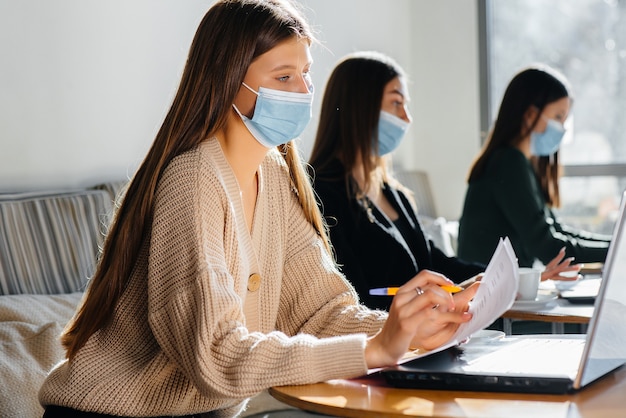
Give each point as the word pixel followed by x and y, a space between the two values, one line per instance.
pixel 495 295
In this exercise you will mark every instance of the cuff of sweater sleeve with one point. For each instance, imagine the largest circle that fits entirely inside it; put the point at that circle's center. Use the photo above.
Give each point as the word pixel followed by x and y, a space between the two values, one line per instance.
pixel 340 358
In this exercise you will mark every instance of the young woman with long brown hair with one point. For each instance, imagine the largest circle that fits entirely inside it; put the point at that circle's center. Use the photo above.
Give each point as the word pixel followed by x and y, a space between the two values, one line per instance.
pixel 373 225
pixel 513 184
pixel 216 281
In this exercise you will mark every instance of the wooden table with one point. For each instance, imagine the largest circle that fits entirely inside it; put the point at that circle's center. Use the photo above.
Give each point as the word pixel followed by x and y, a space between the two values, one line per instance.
pixel 592 269
pixel 371 397
pixel 559 312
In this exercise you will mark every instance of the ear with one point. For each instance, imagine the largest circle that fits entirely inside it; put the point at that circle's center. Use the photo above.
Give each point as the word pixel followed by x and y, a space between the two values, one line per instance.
pixel 530 117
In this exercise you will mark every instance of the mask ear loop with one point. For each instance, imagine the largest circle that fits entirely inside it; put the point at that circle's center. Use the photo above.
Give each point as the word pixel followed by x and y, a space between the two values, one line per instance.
pixel 250 88
pixel 529 126
pixel 241 115
pixel 238 112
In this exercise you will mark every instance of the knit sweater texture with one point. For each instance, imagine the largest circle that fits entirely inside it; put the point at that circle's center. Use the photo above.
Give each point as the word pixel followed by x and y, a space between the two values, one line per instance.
pixel 187 335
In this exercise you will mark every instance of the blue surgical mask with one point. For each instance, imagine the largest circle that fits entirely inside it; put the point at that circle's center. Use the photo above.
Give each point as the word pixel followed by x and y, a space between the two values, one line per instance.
pixel 279 116
pixel 547 142
pixel 391 130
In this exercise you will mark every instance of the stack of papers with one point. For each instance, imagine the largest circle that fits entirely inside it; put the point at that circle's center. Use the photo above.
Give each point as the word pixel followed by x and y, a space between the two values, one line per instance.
pixel 495 295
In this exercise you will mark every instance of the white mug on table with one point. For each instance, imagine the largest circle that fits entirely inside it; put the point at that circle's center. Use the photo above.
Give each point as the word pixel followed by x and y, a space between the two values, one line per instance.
pixel 528 283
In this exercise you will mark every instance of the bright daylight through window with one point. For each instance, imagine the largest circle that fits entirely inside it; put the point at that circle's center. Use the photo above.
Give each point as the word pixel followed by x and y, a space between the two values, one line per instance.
pixel 586 40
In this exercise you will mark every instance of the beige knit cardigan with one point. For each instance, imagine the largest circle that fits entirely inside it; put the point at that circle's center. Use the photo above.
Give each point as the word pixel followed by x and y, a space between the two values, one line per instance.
pixel 187 335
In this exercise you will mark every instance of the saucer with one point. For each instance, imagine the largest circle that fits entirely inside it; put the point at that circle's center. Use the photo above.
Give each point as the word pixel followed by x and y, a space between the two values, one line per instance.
pixel 542 300
pixel 562 285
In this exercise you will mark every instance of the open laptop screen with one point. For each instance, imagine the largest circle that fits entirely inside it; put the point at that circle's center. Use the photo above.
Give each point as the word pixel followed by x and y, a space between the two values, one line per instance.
pixel 607 329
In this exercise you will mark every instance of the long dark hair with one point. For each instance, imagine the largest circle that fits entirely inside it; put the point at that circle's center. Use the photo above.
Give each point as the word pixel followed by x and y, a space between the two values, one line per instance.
pixel 231 35
pixel 348 125
pixel 535 86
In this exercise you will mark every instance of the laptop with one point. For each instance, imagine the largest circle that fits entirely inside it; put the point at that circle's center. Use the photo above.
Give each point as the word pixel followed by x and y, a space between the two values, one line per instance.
pixel 584 292
pixel 555 364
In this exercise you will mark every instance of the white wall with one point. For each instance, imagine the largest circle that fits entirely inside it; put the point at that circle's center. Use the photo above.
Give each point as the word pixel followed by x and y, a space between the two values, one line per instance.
pixel 445 97
pixel 85 84
pixel 343 27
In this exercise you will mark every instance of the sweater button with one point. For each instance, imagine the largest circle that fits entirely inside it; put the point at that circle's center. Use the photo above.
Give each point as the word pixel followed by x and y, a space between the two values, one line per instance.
pixel 254 282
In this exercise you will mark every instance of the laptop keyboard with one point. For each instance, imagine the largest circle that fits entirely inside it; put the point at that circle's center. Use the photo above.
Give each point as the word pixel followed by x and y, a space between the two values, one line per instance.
pixel 532 356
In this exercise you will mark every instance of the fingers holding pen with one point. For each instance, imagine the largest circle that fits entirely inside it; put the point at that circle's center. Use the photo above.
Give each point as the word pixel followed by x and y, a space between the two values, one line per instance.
pixel 423 314
pixel 429 308
pixel 455 313
pixel 438 324
pixel 429 287
pixel 462 299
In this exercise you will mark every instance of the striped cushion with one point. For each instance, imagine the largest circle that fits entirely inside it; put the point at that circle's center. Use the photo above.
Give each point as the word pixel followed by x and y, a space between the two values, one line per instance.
pixel 116 189
pixel 49 243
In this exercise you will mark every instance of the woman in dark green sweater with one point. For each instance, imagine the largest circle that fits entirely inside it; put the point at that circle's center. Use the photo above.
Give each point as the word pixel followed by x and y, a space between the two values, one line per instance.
pixel 513 184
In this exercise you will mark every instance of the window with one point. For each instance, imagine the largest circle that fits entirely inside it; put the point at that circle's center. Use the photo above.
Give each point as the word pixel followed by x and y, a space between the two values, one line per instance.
pixel 586 40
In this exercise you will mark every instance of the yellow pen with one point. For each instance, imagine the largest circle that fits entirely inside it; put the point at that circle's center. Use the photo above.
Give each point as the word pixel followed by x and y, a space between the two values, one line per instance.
pixel 390 291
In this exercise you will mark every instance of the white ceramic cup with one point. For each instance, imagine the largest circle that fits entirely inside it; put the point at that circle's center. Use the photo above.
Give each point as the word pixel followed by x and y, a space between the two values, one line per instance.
pixel 528 283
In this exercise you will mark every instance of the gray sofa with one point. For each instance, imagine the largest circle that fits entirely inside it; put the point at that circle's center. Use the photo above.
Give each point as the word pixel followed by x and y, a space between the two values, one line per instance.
pixel 49 244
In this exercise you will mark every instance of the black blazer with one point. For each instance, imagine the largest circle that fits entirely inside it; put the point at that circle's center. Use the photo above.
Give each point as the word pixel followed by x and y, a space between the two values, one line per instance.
pixel 370 250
